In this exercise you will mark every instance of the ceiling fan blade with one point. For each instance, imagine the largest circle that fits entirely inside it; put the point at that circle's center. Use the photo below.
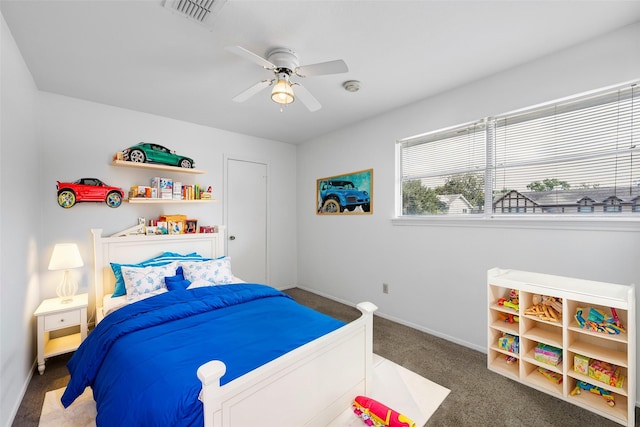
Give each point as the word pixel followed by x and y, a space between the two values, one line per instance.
pixel 331 67
pixel 252 90
pixel 247 54
pixel 305 97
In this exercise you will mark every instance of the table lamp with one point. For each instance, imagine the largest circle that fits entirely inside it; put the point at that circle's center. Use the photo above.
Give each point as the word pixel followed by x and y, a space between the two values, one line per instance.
pixel 66 256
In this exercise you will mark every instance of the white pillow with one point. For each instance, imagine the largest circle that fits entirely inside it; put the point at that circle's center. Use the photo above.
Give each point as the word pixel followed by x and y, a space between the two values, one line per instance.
pixel 215 272
pixel 143 281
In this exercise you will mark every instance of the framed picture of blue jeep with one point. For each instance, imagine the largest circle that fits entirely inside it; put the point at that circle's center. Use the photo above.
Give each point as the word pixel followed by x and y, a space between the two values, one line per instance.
pixel 350 193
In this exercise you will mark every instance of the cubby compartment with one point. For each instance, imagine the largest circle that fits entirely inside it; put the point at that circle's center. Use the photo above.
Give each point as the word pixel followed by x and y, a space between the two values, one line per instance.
pixel 504 320
pixel 621 375
pixel 550 382
pixel 507 364
pixel 592 326
pixel 542 331
pixel 619 412
pixel 549 356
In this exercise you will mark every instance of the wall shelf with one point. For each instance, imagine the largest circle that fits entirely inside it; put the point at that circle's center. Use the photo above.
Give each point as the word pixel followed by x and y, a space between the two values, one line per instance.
pixel 154 166
pixel 165 201
pixel 565 334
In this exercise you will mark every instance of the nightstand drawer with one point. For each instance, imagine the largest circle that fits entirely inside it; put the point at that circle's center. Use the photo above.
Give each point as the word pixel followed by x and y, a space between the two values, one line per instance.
pixel 61 320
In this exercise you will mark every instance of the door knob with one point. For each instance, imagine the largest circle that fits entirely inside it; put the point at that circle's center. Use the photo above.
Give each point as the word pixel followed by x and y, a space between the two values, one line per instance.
pixel 232 237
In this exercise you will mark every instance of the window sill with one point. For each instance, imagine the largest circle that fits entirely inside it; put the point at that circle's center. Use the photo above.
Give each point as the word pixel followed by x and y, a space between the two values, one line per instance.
pixel 548 222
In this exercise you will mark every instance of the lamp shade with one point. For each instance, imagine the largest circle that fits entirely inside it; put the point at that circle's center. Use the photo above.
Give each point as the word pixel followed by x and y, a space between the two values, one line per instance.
pixel 282 92
pixel 65 256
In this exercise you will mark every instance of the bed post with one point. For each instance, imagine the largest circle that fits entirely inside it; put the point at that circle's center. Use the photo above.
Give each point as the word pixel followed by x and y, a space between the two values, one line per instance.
pixel 209 374
pixel 96 235
pixel 367 309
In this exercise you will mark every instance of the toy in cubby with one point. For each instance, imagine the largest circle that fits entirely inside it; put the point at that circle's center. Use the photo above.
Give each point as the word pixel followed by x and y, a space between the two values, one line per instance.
pixel 548 354
pixel 510 343
pixel 554 377
pixel 512 302
pixel 606 394
pixel 508 317
pixel 598 321
pixel 545 307
pixel 607 373
pixel 581 364
pixel 604 372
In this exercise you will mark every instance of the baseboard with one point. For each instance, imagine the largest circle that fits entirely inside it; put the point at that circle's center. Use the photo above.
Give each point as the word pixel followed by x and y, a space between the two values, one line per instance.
pixel 23 391
pixel 403 322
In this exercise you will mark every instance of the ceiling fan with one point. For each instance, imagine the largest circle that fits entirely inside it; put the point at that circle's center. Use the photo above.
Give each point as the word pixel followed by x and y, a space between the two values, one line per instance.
pixel 284 63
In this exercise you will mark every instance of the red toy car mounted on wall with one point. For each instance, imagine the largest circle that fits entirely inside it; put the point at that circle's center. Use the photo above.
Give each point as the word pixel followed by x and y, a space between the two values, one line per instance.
pixel 88 190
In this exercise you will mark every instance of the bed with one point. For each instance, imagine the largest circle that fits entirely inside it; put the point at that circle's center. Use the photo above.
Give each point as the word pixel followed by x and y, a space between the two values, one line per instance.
pixel 306 382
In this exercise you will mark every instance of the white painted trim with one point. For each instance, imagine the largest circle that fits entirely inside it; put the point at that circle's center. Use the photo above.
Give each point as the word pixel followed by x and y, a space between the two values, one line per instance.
pixel 22 393
pixel 402 322
pixel 549 222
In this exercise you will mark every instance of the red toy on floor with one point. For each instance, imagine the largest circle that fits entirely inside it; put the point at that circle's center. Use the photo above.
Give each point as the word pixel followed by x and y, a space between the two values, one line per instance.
pixel 374 413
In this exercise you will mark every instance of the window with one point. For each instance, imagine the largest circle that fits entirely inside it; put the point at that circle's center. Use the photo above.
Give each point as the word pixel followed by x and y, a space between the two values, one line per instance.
pixel 443 173
pixel 566 157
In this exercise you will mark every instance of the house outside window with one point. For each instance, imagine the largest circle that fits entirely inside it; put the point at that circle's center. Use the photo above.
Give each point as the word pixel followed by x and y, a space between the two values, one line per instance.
pixel 585 205
pixel 613 204
pixel 572 156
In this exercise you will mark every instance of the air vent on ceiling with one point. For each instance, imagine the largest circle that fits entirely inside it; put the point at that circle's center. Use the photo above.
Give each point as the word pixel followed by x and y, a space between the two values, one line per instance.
pixel 200 11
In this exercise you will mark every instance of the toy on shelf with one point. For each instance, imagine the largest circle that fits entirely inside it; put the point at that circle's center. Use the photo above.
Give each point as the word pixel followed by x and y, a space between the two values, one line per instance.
pixel 512 302
pixel 548 354
pixel 546 308
pixel 510 343
pixel 374 413
pixel 605 372
pixel 598 321
pixel 606 394
pixel 154 153
pixel 581 364
pixel 552 376
pixel 509 317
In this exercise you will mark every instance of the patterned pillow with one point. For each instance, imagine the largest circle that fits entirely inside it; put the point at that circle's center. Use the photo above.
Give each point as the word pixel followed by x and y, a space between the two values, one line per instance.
pixel 164 258
pixel 140 281
pixel 216 272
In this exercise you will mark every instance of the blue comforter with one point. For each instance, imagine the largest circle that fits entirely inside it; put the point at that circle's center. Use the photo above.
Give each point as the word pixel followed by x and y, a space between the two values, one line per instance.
pixel 141 360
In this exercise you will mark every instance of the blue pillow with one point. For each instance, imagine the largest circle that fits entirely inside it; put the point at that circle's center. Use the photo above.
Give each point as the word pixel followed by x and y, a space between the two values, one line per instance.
pixel 166 258
pixel 177 282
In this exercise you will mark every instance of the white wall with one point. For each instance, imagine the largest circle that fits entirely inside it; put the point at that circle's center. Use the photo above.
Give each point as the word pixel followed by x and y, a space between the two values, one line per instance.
pixel 19 225
pixel 48 137
pixel 79 139
pixel 437 273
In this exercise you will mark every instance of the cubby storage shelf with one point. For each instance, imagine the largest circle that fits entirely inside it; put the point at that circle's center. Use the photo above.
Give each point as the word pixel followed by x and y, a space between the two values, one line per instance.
pixel 155 166
pixel 566 335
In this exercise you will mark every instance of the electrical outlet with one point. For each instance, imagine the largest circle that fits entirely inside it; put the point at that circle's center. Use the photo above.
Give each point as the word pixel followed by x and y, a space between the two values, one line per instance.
pixel 385 288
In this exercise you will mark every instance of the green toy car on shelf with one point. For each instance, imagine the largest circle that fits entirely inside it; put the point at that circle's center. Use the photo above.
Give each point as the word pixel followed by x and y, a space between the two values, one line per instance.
pixel 154 153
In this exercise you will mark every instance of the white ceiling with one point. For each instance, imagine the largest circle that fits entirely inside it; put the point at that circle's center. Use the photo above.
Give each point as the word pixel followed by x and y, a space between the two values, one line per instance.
pixel 141 56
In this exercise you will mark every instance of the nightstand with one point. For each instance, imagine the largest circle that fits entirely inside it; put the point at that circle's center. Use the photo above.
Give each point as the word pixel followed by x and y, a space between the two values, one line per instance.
pixel 53 315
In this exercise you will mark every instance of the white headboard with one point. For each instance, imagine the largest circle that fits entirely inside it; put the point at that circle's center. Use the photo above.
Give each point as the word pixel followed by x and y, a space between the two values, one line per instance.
pixel 133 249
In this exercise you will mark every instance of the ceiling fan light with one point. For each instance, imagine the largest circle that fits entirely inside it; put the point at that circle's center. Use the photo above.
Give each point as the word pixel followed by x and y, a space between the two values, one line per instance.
pixel 282 92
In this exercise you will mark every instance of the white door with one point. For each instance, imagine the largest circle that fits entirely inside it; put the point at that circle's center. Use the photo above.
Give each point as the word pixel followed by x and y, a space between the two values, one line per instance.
pixel 246 219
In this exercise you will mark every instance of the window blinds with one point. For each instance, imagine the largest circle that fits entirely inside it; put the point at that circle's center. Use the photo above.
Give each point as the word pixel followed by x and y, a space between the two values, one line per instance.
pixel 434 157
pixel 582 143
pixel 582 148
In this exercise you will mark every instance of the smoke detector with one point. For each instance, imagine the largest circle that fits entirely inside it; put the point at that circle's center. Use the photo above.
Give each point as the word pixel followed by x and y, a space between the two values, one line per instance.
pixel 351 85
pixel 202 12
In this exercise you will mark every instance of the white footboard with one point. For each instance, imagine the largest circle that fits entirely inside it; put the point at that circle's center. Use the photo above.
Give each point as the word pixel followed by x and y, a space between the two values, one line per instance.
pixel 308 386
